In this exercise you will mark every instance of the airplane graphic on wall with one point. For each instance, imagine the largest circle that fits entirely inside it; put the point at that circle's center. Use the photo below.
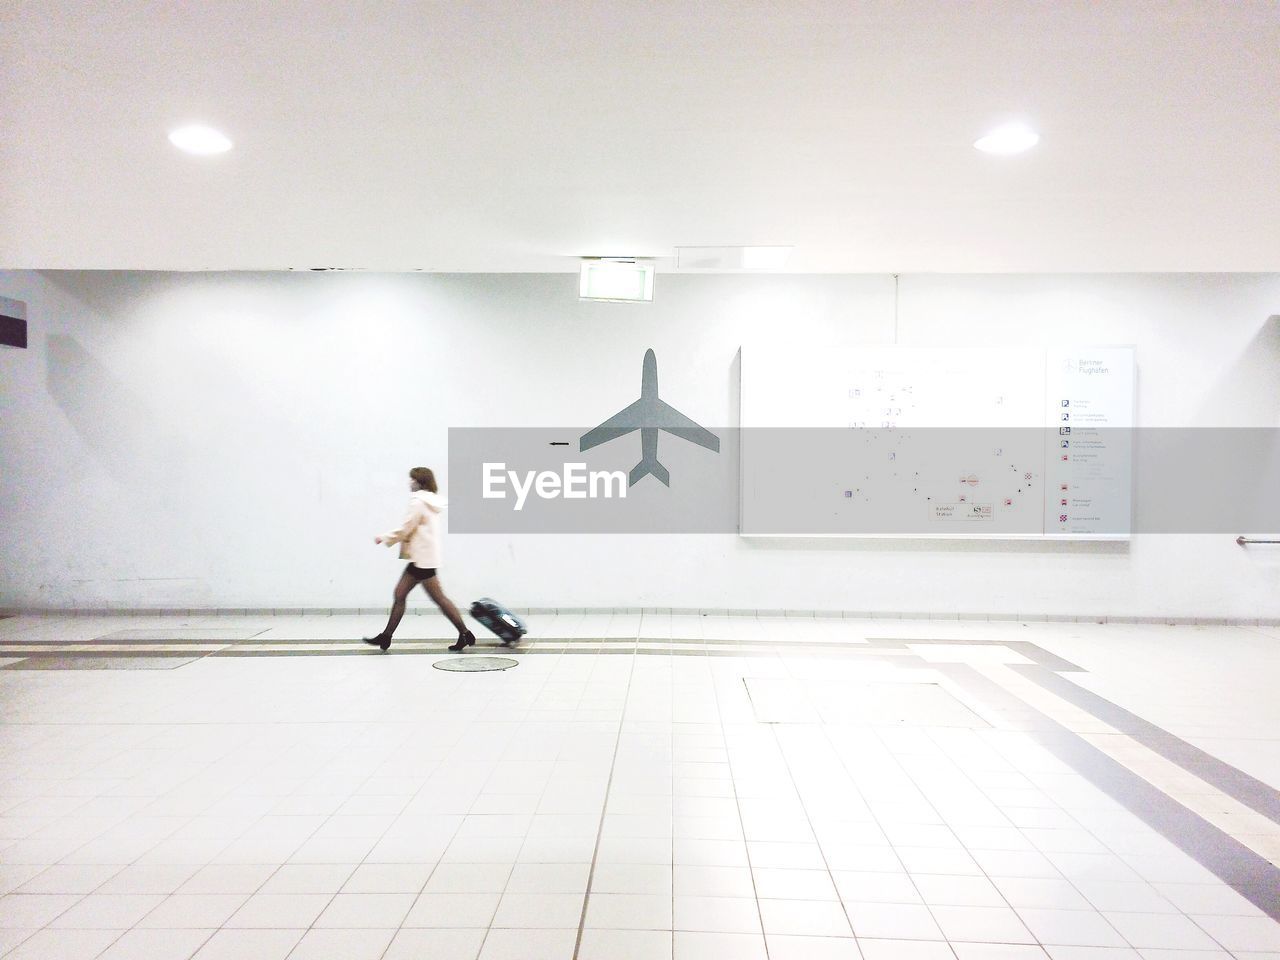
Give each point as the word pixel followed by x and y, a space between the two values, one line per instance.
pixel 649 415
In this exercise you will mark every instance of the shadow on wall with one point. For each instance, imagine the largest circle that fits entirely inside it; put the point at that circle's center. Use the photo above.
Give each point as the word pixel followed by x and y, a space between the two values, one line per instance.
pixel 1254 374
pixel 104 294
pixel 1253 381
pixel 127 438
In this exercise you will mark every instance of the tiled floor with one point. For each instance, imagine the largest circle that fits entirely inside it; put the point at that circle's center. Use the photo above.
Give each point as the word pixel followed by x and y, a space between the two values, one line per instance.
pixel 639 787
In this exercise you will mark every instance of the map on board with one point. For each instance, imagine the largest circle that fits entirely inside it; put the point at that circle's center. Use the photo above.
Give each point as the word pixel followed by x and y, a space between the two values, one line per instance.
pixel 906 441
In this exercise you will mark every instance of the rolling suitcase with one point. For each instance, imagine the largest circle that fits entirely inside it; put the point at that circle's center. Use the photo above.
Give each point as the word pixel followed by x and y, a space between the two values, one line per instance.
pixel 499 619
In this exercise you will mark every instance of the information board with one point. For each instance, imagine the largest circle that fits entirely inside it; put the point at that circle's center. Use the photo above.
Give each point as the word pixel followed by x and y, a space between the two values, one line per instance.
pixel 937 442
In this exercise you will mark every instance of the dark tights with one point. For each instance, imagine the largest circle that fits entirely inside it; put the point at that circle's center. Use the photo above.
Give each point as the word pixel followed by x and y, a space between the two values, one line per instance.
pixel 434 591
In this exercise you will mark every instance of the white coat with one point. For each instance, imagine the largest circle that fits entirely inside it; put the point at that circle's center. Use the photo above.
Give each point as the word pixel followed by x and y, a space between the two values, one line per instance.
pixel 419 533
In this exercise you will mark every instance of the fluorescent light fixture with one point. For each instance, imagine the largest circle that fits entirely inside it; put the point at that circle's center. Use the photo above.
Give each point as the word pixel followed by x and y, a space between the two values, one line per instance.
pixel 732 258
pixel 1011 138
pixel 616 278
pixel 202 141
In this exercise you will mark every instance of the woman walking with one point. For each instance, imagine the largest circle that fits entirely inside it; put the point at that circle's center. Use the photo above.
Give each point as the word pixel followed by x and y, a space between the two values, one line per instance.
pixel 419 539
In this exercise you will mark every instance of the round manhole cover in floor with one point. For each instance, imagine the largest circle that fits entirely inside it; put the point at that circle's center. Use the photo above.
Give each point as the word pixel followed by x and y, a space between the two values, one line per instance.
pixel 475 664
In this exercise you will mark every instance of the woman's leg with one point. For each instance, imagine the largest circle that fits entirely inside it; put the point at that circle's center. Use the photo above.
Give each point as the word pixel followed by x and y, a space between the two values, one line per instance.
pixel 436 593
pixel 403 587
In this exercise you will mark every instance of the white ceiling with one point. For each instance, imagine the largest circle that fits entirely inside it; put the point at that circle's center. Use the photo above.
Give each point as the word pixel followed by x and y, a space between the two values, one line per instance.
pixel 494 135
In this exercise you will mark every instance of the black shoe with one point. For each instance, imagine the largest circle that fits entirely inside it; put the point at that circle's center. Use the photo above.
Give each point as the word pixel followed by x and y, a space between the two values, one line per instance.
pixel 465 639
pixel 381 641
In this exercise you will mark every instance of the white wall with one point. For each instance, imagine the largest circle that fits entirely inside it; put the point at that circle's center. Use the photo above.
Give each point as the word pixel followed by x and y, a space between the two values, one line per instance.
pixel 236 440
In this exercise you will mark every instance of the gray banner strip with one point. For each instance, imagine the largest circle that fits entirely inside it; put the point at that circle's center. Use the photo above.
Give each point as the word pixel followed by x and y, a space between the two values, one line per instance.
pixel 997 482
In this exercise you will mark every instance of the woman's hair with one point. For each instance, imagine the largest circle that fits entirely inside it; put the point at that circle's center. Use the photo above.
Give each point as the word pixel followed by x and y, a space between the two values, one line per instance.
pixel 424 478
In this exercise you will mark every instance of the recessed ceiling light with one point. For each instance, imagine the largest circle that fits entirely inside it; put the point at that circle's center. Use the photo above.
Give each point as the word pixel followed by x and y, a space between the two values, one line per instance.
pixel 1013 138
pixel 616 278
pixel 200 140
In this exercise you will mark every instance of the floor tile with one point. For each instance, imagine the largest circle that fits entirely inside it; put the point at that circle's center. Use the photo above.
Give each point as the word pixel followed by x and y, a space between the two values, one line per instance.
pixel 957 891
pixel 719 946
pixel 716 915
pixel 1161 931
pixel 193 911
pixel 937 860
pixel 1237 934
pixel 981 924
pixel 366 910
pixel 640 878
pixel 1124 897
pixel 998 951
pixel 242 944
pixel 64 945
pixel 307 878
pixel 854 887
pixel 601 944
pixel 805 917
pixel 266 911
pixel 107 911
pixel 1064 952
pixel 540 944
pixel 437 944
pixel 1074 928
pixel 14 874
pixel 69 878
pixel 388 878
pixel 228 878
pixel 148 879
pixel 25 910
pixel 367 944
pixel 709 853
pixel 789 856
pixel 876 949
pixel 857 858
pixel 453 910
pixel 629 911
pixel 11 937
pixel 892 921
pixel 1207 899
pixel 469 878
pixel 556 850
pixel 530 911
pixel 812 948
pixel 1042 893
pixel 788 884
pixel 704 881
pixel 1015 863
pixel 140 944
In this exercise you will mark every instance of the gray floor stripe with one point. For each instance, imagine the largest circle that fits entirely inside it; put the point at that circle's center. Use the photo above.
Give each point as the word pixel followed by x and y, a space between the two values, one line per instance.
pixel 1252 876
pixel 125 662
pixel 1036 654
pixel 1232 781
pixel 178 634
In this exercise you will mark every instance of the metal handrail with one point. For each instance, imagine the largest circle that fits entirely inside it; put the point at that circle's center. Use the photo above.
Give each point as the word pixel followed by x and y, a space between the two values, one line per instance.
pixel 1243 540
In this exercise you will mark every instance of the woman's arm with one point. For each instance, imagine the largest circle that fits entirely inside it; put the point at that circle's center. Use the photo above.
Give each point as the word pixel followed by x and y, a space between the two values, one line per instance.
pixel 415 516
